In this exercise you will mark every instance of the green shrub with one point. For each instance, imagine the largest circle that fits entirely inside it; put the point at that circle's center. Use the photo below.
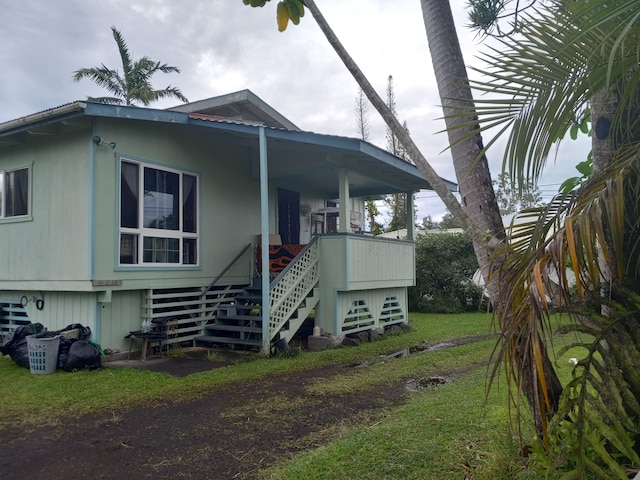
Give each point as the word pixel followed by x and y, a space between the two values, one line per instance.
pixel 445 264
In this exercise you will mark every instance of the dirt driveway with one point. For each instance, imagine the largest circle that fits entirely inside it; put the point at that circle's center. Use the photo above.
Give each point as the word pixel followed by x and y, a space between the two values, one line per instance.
pixel 229 434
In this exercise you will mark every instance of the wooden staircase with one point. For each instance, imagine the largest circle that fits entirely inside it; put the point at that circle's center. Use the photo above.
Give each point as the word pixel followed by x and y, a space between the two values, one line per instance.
pixel 292 296
pixel 239 324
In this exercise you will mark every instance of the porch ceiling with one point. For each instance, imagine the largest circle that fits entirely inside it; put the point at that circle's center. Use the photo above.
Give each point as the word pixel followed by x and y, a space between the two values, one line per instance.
pixel 310 162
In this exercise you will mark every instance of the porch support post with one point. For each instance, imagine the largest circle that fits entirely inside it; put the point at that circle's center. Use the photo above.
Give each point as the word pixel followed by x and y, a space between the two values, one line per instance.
pixel 264 243
pixel 343 189
pixel 411 234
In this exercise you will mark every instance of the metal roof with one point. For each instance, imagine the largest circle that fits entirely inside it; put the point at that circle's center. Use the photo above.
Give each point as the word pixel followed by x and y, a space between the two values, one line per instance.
pixel 241 105
pixel 298 160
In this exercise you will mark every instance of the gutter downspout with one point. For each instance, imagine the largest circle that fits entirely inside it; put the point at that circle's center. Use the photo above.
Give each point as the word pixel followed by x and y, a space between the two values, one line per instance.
pixel 264 243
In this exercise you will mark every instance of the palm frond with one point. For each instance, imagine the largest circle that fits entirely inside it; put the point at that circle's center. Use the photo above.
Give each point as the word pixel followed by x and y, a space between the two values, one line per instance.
pixel 596 426
pixel 135 83
pixel 549 73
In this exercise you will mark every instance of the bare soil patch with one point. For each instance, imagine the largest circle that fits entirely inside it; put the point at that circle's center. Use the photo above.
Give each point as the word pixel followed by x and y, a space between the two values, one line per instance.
pixel 229 434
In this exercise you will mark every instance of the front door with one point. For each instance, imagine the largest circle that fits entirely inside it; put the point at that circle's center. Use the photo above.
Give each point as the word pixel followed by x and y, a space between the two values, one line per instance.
pixel 289 216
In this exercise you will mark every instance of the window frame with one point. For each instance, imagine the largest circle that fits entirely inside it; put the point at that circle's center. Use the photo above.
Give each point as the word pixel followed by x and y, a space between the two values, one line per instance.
pixel 3 192
pixel 140 233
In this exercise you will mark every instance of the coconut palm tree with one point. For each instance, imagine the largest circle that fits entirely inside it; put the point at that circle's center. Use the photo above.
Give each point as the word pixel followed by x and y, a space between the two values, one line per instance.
pixel 134 84
pixel 574 61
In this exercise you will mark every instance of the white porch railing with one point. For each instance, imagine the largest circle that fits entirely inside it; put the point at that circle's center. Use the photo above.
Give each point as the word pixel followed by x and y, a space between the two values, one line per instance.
pixel 291 287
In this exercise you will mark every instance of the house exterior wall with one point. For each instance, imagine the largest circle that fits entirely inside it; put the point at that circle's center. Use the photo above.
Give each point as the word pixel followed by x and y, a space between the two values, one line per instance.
pixel 52 245
pixel 59 309
pixel 119 317
pixel 109 321
pixel 229 199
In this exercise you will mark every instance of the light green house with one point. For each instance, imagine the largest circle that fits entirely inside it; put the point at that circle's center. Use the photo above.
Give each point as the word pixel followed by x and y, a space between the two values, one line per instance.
pixel 112 215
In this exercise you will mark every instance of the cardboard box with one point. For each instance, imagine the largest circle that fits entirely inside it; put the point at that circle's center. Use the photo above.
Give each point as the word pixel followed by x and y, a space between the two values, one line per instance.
pixel 274 239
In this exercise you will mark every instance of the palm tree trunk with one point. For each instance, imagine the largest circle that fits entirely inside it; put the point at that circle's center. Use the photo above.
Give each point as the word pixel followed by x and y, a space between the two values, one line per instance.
pixel 478 197
pixel 396 128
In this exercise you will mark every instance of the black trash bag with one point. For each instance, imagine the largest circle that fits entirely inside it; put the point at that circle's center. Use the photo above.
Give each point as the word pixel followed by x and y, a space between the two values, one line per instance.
pixel 83 355
pixel 83 332
pixel 63 351
pixel 15 344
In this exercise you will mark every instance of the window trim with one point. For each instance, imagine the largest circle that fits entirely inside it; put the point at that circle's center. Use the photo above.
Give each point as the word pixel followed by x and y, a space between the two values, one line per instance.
pixel 141 232
pixel 18 218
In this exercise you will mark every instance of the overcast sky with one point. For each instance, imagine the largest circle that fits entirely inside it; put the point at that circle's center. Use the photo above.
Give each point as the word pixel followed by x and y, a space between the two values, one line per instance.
pixel 222 46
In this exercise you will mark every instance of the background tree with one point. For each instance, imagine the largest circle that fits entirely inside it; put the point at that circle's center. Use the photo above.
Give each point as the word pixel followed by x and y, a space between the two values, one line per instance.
pixel 363 129
pixel 397 202
pixel 445 264
pixel 134 84
pixel 513 198
pixel 428 223
pixel 449 221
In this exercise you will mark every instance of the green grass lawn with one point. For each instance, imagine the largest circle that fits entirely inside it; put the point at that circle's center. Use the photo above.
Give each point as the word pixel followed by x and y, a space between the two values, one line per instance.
pixel 441 432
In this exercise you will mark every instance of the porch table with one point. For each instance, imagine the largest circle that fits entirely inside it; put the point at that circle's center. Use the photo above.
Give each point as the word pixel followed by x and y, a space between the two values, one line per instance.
pixel 148 338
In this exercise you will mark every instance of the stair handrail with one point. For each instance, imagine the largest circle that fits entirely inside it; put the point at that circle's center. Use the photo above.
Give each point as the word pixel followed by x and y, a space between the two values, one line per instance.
pixel 224 270
pixel 285 299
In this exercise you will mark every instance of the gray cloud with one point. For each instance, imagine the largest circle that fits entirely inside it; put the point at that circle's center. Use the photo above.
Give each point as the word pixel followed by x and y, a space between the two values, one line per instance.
pixel 222 46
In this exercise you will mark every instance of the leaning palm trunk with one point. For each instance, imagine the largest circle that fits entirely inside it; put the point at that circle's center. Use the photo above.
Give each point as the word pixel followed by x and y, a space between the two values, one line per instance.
pixel 397 129
pixel 479 213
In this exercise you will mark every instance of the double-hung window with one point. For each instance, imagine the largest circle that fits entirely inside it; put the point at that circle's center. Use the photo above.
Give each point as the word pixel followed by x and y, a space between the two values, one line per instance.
pixel 158 215
pixel 14 193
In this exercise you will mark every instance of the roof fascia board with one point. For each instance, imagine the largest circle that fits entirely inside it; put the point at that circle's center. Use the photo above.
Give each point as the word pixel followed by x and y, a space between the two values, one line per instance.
pixel 42 118
pixel 135 113
pixel 229 126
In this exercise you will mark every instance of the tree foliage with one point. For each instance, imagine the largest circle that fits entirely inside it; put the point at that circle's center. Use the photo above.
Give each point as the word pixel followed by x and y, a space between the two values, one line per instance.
pixel 512 197
pixel 133 85
pixel 397 202
pixel 449 221
pixel 363 128
pixel 445 265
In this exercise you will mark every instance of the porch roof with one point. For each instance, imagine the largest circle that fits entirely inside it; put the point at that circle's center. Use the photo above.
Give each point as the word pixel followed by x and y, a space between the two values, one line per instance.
pixel 297 160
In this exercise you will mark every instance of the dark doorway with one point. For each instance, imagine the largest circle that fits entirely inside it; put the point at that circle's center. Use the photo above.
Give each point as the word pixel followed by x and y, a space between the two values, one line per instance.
pixel 289 216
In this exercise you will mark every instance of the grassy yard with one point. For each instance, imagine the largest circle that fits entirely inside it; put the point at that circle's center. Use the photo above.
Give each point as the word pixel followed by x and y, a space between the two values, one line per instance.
pixel 441 432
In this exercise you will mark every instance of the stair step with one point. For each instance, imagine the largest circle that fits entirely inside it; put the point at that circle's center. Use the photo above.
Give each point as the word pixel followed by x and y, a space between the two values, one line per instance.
pixel 237 318
pixel 227 340
pixel 247 307
pixel 248 299
pixel 232 328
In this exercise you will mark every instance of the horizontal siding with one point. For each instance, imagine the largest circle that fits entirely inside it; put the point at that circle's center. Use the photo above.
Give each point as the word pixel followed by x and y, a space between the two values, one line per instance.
pixel 375 261
pixel 358 262
pixel 59 309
